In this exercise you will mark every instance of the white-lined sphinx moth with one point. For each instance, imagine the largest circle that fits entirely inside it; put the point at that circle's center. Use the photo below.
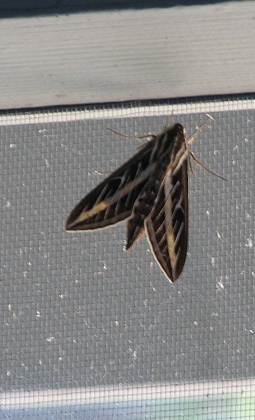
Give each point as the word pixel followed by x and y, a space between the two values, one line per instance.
pixel 151 191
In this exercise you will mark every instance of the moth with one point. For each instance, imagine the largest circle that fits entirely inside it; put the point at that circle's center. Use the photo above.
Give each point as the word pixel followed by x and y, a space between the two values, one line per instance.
pixel 150 191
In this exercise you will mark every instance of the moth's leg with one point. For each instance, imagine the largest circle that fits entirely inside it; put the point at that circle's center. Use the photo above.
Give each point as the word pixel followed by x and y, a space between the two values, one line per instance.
pixel 147 136
pixel 203 166
pixel 190 165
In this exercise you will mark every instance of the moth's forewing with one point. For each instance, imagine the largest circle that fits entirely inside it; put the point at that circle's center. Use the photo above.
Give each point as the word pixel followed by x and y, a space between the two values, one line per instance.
pixel 113 199
pixel 166 147
pixel 167 224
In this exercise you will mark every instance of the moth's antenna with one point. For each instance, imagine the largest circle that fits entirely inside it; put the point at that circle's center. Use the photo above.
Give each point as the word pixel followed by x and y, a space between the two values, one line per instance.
pixel 190 141
pixel 131 137
pixel 199 129
pixel 168 121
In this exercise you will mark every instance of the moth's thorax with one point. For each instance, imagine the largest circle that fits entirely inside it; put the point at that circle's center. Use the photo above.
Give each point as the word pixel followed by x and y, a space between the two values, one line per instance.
pixel 167 144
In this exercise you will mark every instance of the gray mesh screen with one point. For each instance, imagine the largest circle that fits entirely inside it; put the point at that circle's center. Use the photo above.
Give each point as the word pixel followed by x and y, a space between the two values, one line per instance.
pixel 90 331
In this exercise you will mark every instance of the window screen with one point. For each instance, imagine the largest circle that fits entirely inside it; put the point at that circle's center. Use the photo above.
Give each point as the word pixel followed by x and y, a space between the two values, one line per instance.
pixel 92 332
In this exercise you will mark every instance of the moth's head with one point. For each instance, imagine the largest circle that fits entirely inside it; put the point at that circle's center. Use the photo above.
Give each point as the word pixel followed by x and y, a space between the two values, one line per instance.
pixel 175 130
pixel 178 128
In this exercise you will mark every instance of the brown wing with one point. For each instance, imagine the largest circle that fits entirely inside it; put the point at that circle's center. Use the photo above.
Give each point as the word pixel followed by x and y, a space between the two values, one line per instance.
pixel 167 224
pixel 113 199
